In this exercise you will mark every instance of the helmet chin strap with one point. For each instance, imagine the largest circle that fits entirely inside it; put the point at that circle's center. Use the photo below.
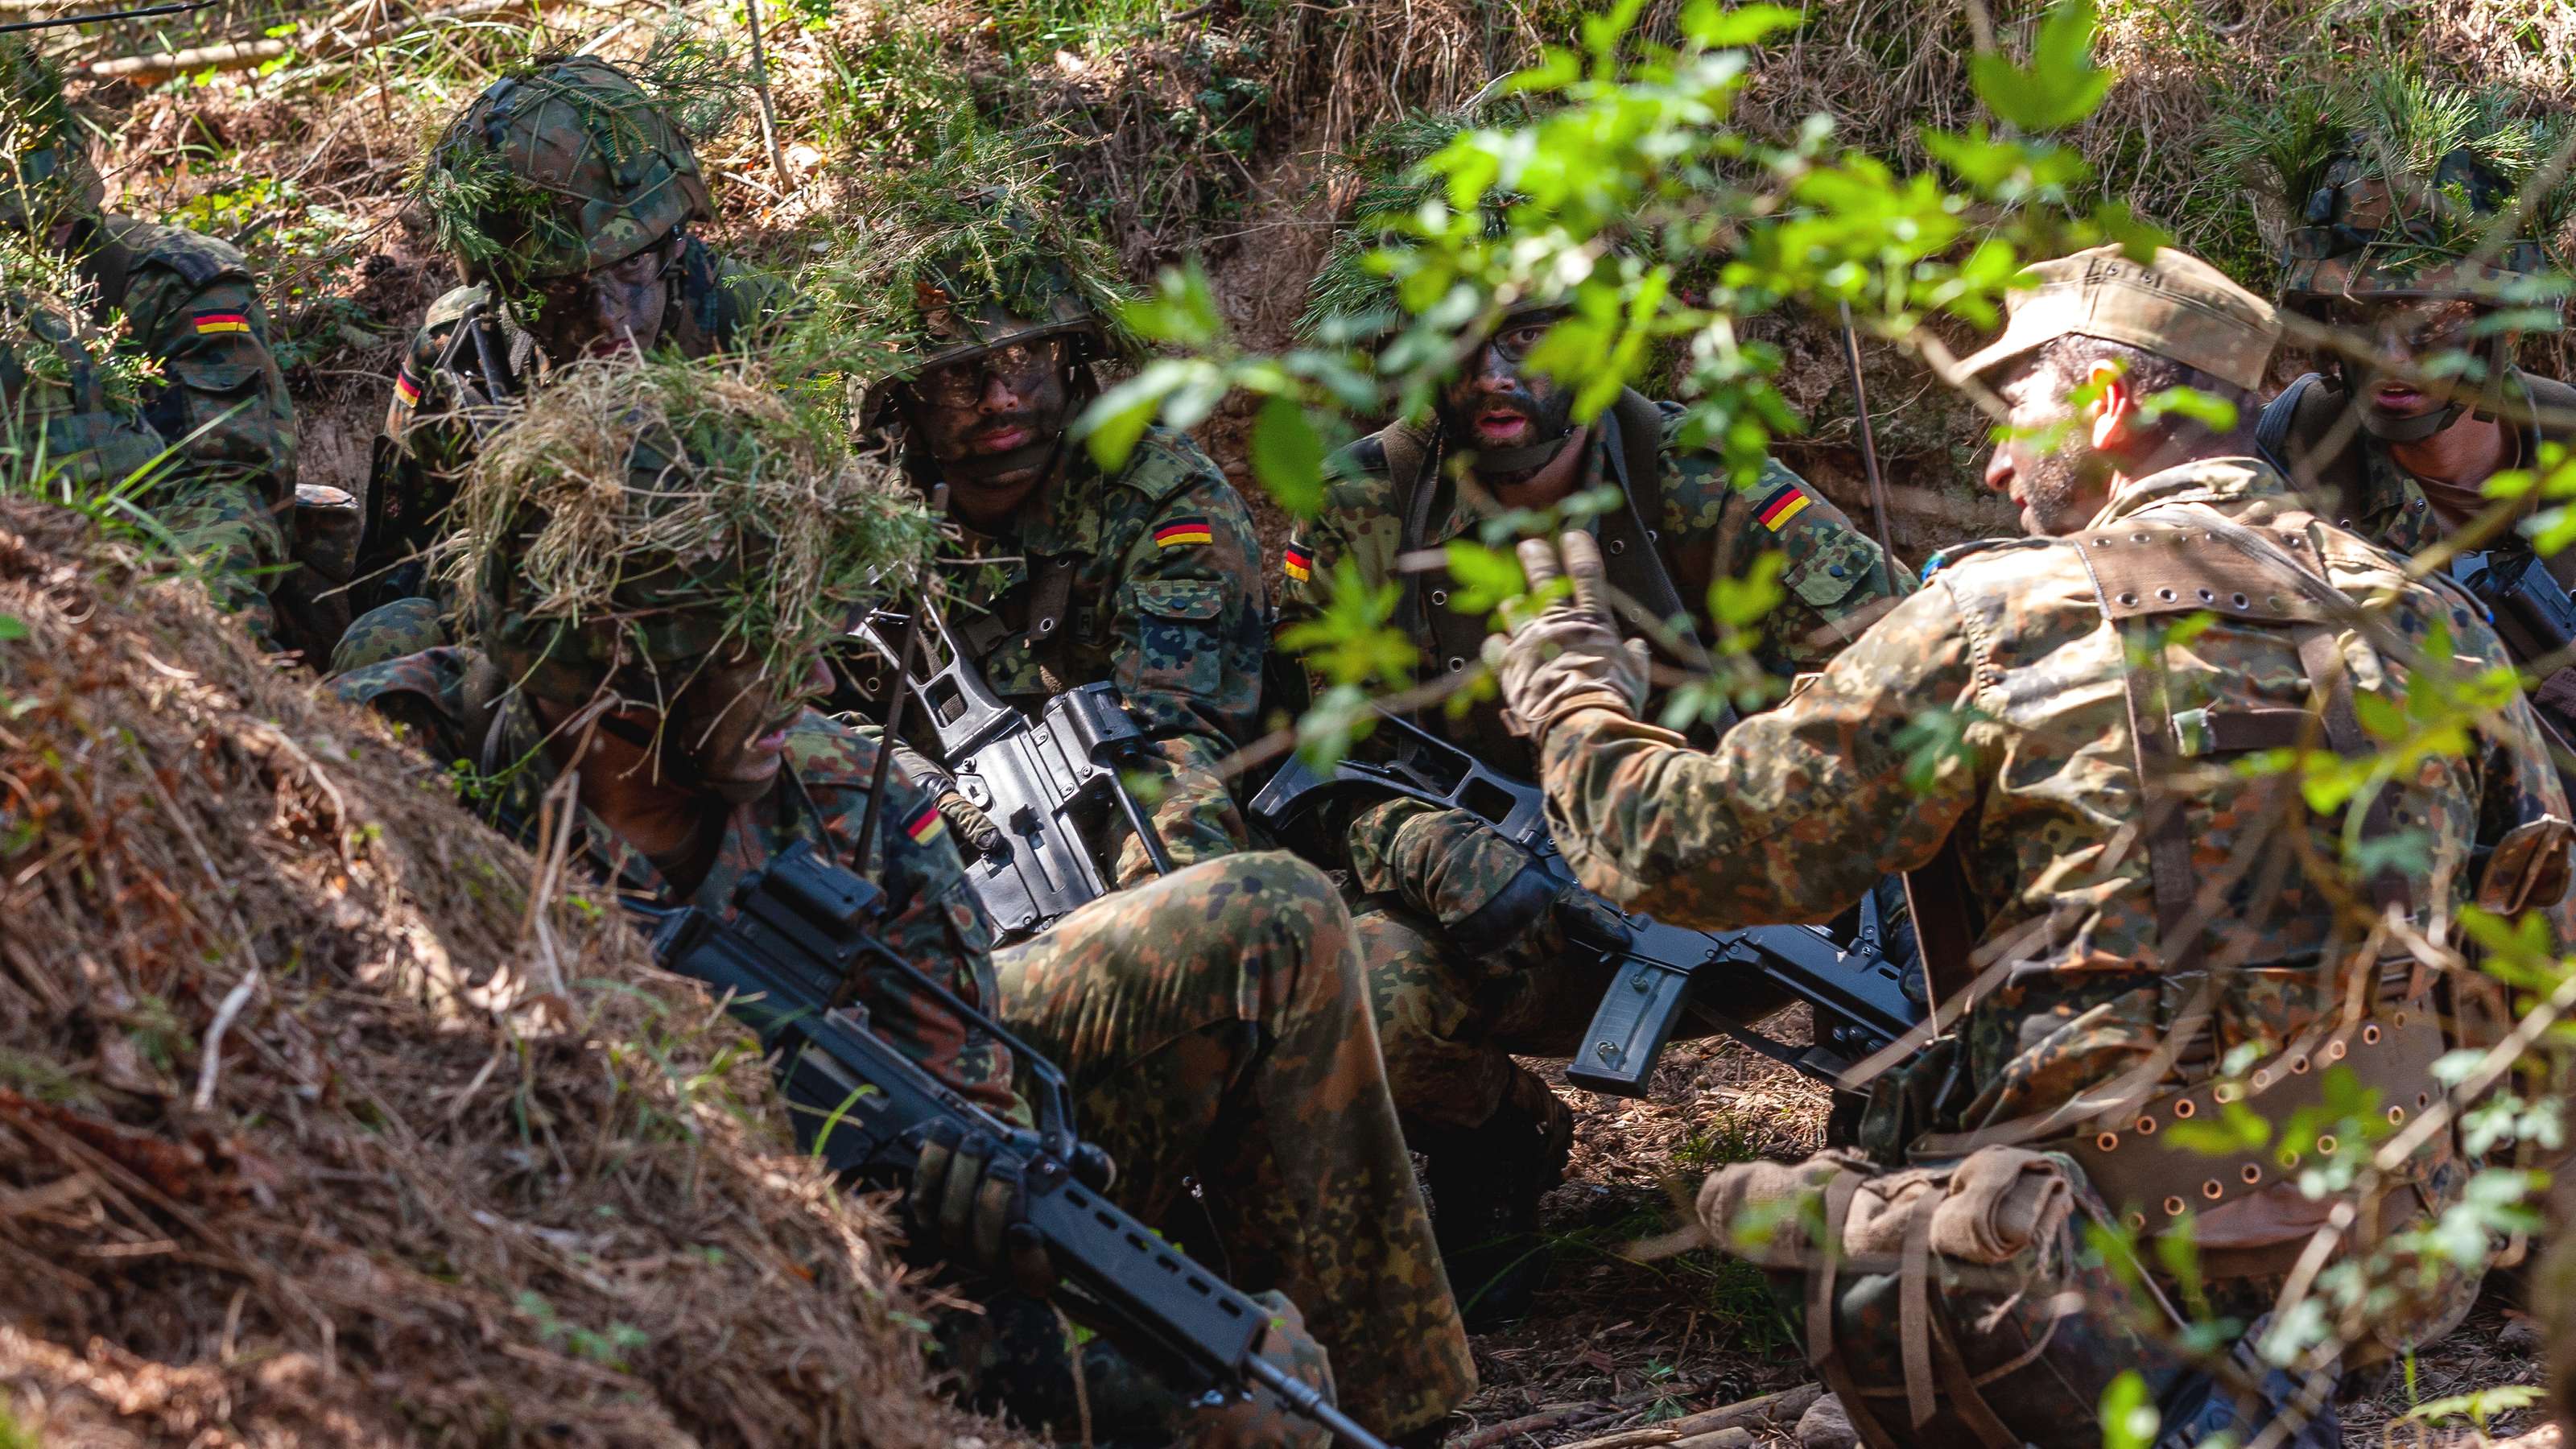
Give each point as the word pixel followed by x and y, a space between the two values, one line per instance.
pixel 2408 430
pixel 2415 430
pixel 1527 458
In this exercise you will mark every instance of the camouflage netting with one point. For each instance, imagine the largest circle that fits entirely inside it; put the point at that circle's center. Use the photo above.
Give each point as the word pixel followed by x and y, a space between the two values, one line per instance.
pixel 2378 178
pixel 636 516
pixel 568 163
pixel 44 167
pixel 942 249
pixel 1349 296
pixel 315 1129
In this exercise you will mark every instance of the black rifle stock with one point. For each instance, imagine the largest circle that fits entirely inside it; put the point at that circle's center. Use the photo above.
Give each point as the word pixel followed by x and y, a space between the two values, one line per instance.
pixel 801 926
pixel 1858 995
pixel 1034 778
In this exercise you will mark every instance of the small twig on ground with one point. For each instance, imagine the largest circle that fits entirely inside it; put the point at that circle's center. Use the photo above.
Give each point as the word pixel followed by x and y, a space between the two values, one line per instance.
pixel 760 88
pixel 210 1066
pixel 1785 1405
pixel 244 54
pixel 1577 1415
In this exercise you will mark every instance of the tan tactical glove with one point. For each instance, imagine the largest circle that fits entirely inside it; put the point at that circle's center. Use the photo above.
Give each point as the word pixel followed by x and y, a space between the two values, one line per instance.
pixel 1570 656
pixel 969 1203
pixel 977 835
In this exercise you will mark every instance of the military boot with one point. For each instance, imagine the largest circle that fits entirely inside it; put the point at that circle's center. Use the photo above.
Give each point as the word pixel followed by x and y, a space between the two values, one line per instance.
pixel 1485 1183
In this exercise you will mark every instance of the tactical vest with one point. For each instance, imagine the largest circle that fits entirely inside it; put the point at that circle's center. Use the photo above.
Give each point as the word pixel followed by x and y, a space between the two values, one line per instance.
pixel 1639 575
pixel 2149 571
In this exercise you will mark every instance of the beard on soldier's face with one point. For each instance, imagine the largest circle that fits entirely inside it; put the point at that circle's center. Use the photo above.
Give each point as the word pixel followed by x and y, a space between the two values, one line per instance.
pixel 2060 488
pixel 1515 418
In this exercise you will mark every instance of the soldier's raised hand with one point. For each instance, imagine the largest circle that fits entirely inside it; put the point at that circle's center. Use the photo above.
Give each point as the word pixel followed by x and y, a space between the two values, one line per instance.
pixel 1569 656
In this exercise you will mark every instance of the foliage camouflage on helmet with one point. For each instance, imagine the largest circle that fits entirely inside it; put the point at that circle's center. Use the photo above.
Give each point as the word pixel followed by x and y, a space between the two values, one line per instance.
pixel 973 250
pixel 2396 187
pixel 44 168
pixel 70 401
pixel 1353 296
pixel 637 518
pixel 571 164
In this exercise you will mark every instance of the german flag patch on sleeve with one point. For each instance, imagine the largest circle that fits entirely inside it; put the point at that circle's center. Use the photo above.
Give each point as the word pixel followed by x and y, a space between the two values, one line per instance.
pixel 211 324
pixel 1298 560
pixel 406 386
pixel 1182 531
pixel 1786 502
pixel 926 826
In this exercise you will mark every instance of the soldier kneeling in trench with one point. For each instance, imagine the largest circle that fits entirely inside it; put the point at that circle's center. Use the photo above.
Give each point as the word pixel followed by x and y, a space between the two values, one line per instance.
pixel 653 555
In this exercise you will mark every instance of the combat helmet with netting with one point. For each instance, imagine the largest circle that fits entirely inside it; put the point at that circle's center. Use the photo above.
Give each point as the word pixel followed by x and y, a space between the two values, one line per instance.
pixel 570 164
pixel 71 407
pixel 974 250
pixel 635 520
pixel 1353 297
pixel 2398 188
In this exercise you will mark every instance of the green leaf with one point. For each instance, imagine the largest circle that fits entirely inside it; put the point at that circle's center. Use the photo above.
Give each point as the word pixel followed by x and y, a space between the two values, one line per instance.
pixel 1712 25
pixel 1288 456
pixel 2060 87
pixel 1485 577
pixel 1182 310
pixel 2237 1128
pixel 2216 413
pixel 12 628
pixel 1118 417
pixel 1742 603
pixel 2129 1418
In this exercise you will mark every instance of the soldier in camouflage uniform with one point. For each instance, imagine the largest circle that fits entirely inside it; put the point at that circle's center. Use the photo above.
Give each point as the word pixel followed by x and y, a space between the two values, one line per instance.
pixel 2173 610
pixel 1212 1024
pixel 2390 266
pixel 1468 958
pixel 190 309
pixel 67 409
pixel 1066 573
pixel 564 192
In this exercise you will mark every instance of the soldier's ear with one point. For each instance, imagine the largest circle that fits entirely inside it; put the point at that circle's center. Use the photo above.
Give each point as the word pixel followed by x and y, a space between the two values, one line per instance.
pixel 2112 416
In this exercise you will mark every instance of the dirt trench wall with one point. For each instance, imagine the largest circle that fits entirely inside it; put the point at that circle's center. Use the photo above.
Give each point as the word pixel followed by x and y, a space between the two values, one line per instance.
pixel 315 1129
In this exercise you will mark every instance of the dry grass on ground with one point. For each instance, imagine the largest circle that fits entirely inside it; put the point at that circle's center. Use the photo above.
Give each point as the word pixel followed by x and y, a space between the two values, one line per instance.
pixel 315 1128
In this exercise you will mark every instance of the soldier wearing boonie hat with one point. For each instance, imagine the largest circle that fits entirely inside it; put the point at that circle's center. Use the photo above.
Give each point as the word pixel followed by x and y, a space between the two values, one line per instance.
pixel 2139 910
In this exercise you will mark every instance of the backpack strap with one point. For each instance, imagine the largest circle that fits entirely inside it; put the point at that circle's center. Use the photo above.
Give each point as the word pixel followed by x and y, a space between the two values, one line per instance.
pixel 2272 428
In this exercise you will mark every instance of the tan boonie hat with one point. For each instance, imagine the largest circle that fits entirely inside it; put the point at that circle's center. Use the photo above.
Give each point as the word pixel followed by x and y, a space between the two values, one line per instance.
pixel 2176 306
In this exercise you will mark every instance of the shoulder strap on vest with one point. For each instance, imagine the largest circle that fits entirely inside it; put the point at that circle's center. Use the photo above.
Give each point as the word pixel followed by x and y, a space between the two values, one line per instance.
pixel 2272 429
pixel 1641 439
pixel 2306 433
pixel 1635 565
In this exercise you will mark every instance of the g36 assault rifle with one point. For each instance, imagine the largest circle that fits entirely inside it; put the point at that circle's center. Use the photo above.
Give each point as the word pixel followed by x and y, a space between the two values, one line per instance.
pixel 1041 781
pixel 801 926
pixel 1858 993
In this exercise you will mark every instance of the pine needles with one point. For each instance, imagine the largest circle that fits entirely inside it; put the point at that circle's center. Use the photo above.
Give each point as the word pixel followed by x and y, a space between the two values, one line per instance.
pixel 979 222
pixel 2420 133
